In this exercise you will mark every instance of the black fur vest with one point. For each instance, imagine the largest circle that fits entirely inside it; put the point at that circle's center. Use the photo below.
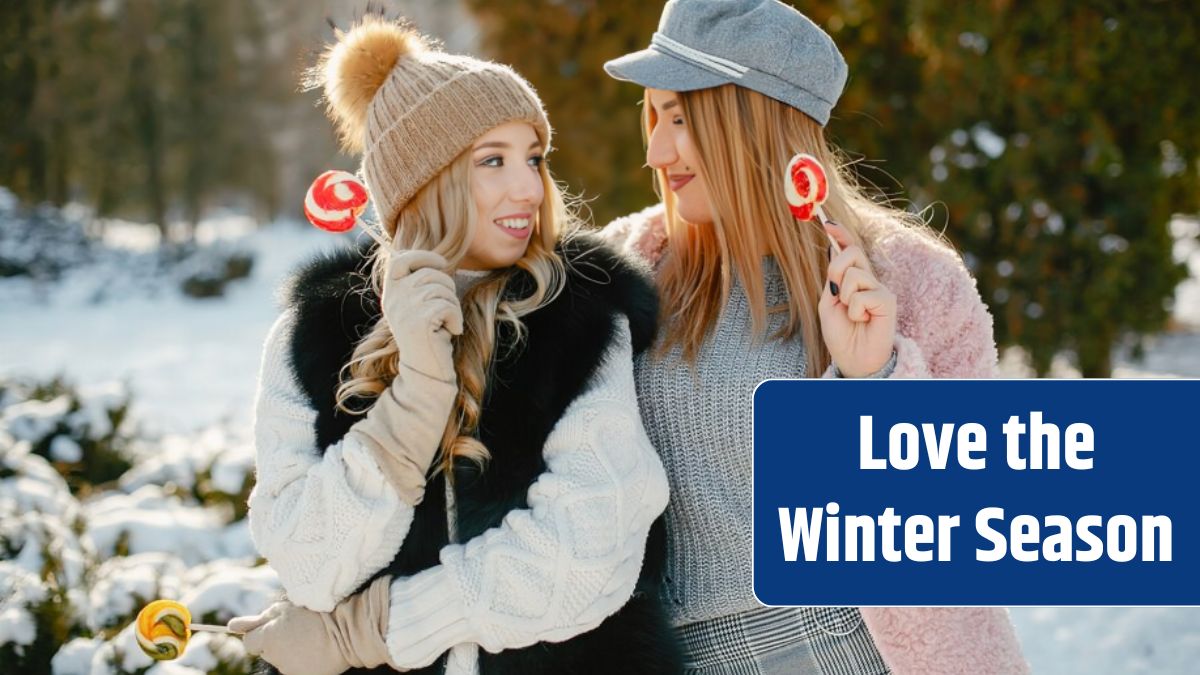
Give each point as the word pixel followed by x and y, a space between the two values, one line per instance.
pixel 528 391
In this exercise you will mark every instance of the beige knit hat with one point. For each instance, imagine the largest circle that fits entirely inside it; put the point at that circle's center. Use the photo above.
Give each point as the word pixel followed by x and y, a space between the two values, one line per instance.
pixel 411 108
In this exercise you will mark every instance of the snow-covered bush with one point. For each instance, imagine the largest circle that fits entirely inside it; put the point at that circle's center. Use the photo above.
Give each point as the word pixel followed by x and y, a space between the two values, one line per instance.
pixel 206 271
pixel 83 432
pixel 215 468
pixel 66 249
pixel 43 560
pixel 41 243
pixel 78 561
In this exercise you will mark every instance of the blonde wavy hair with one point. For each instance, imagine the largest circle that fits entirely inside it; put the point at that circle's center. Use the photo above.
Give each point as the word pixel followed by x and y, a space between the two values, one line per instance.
pixel 441 218
pixel 744 141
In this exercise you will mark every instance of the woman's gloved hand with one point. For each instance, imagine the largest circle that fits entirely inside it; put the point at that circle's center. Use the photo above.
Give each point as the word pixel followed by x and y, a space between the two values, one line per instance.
pixel 423 312
pixel 299 641
pixel 404 427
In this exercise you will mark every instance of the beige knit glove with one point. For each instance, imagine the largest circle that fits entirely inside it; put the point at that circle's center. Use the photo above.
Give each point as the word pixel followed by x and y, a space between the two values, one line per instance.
pixel 403 429
pixel 299 641
pixel 423 312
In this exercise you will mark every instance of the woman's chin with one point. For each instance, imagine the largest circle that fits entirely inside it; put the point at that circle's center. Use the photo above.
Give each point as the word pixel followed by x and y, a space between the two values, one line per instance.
pixel 500 254
pixel 695 216
pixel 505 260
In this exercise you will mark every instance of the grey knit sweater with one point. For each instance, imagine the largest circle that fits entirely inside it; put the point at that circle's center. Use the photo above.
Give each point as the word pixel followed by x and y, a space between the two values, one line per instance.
pixel 699 419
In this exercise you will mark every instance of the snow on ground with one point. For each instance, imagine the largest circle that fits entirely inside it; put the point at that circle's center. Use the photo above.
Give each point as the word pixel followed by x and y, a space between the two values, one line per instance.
pixel 189 362
pixel 192 363
pixel 1109 640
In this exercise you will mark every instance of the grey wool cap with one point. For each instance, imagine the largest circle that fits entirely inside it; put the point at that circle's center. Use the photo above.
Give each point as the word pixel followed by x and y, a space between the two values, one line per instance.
pixel 762 45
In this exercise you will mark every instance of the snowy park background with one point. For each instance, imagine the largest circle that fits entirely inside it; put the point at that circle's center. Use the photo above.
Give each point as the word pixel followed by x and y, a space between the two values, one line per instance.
pixel 117 331
pixel 150 182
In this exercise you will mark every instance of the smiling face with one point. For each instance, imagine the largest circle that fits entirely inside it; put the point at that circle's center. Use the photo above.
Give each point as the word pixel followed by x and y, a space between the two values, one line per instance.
pixel 507 188
pixel 672 150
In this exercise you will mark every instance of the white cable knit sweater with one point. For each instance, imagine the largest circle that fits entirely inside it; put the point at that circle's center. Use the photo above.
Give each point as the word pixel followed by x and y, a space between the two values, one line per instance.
pixel 548 573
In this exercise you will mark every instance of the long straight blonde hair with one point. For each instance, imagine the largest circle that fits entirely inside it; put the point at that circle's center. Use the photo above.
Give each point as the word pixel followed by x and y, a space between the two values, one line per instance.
pixel 441 218
pixel 744 141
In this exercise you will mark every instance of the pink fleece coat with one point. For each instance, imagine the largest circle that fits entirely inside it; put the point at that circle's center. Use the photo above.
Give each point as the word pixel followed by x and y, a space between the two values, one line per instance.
pixel 943 331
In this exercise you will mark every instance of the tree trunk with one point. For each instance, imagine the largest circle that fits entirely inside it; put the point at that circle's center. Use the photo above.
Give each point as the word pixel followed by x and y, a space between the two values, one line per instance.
pixel 1095 355
pixel 149 133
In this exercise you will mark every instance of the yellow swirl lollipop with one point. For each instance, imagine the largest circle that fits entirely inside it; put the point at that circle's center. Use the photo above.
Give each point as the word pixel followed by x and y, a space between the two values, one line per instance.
pixel 163 629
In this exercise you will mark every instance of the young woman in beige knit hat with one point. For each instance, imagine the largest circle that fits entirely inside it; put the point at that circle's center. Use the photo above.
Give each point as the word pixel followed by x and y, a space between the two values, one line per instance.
pixel 734 89
pixel 452 475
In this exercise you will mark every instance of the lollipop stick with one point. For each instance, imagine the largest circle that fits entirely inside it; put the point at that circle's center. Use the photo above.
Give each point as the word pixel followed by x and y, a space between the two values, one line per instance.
pixel 369 228
pixel 822 219
pixel 211 628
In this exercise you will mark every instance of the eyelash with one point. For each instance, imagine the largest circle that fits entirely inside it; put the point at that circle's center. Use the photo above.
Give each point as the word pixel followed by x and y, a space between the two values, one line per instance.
pixel 536 161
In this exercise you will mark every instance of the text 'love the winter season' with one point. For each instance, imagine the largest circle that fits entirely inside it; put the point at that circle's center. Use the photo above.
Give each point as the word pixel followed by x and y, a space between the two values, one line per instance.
pixel 823 532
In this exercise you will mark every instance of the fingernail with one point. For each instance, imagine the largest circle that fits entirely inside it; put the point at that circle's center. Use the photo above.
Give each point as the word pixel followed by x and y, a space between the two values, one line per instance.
pixel 830 251
pixel 833 288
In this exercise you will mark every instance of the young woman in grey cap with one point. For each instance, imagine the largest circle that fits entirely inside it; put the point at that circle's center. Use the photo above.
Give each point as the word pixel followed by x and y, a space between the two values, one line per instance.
pixel 734 88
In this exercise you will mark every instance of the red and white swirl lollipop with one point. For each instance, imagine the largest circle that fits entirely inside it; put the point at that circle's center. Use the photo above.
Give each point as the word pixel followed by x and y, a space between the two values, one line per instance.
pixel 806 187
pixel 335 201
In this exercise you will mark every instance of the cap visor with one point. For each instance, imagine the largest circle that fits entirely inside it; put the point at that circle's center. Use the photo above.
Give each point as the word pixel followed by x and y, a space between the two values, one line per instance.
pixel 655 70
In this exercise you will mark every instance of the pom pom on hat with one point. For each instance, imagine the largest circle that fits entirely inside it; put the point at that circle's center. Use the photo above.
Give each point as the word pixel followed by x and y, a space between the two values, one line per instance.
pixel 355 66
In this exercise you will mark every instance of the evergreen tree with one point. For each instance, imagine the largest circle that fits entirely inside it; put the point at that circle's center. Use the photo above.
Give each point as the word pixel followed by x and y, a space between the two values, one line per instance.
pixel 1071 134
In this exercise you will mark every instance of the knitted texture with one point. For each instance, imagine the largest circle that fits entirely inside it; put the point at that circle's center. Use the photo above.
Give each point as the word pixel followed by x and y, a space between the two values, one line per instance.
pixel 943 331
pixel 325 523
pixel 550 572
pixel 431 108
pixel 700 419
pixel 560 567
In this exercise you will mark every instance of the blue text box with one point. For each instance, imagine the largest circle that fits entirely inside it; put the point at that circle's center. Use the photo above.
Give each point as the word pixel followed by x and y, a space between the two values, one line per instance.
pixel 1145 462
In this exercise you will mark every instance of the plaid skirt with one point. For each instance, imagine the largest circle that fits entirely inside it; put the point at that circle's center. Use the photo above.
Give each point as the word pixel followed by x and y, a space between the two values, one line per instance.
pixel 782 640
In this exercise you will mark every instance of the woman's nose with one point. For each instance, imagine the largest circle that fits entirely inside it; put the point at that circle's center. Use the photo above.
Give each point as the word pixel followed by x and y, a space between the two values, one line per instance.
pixel 527 187
pixel 660 151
